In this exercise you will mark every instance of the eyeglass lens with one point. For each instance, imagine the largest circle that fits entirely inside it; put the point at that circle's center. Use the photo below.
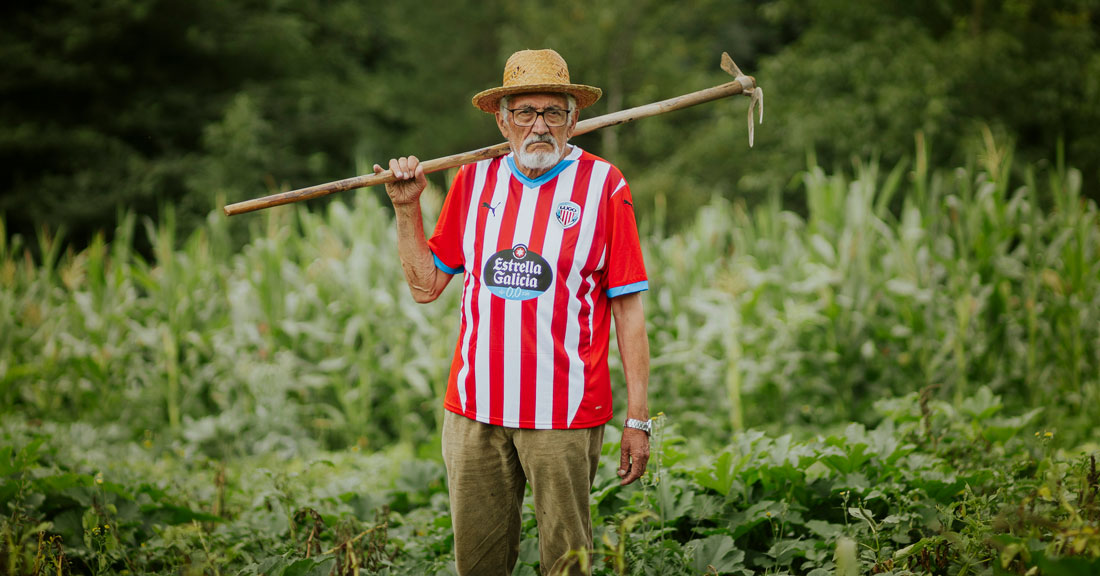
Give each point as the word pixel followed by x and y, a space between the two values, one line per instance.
pixel 553 116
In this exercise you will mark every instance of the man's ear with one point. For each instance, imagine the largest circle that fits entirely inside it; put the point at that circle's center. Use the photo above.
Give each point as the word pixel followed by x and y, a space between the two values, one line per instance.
pixel 502 125
pixel 572 127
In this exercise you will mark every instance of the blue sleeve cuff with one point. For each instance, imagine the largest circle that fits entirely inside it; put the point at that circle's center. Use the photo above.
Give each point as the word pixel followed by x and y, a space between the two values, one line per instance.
pixel 628 289
pixel 439 264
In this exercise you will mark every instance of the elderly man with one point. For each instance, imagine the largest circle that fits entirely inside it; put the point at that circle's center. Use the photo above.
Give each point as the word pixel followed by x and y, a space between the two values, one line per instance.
pixel 547 244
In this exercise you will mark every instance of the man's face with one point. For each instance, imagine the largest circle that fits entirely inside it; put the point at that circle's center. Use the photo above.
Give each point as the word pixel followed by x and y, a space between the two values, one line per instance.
pixel 538 147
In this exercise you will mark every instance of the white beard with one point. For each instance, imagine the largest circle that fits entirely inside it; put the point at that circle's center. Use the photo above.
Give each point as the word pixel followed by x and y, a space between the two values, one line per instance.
pixel 539 160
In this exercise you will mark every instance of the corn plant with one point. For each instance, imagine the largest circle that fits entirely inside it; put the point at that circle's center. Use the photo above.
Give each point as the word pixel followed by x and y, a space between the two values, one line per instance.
pixel 306 337
pixel 954 282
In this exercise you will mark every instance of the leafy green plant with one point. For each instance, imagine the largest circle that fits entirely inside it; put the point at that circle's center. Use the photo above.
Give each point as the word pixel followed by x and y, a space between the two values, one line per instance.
pixel 867 373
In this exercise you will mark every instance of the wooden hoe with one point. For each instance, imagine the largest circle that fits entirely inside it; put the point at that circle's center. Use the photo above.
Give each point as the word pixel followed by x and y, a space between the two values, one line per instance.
pixel 741 84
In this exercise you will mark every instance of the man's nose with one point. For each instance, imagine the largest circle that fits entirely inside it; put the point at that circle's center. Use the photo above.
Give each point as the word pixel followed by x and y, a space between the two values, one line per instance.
pixel 540 126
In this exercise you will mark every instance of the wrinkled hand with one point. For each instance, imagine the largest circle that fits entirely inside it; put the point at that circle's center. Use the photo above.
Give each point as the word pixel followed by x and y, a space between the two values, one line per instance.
pixel 635 455
pixel 410 180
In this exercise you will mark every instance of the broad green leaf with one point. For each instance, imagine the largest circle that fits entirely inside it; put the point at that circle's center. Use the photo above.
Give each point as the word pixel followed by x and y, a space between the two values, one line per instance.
pixel 7 461
pixel 785 550
pixel 65 481
pixel 720 475
pixel 1068 566
pixel 999 430
pixel 982 405
pixel 717 553
pixel 319 566
pixel 825 529
pixel 743 521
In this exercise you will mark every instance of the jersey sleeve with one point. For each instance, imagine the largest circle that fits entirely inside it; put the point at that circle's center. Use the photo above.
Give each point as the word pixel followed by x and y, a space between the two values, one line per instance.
pixel 625 266
pixel 446 240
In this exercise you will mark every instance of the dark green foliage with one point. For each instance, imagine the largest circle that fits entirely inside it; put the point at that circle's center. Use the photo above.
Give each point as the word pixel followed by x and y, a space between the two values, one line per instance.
pixel 922 492
pixel 306 338
pixel 165 102
pixel 143 104
pixel 854 387
pixel 864 77
pixel 895 372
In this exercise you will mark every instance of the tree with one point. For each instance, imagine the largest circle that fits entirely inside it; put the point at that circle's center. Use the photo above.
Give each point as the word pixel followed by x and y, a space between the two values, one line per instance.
pixel 135 103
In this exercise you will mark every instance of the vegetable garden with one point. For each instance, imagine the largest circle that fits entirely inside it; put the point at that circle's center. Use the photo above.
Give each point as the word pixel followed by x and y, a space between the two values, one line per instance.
pixel 903 380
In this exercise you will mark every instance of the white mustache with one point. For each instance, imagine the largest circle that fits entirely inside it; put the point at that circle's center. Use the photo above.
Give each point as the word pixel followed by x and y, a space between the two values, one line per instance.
pixel 539 138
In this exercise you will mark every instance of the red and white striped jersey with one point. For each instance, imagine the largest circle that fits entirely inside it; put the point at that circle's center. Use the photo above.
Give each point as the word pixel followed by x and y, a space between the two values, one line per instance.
pixel 541 259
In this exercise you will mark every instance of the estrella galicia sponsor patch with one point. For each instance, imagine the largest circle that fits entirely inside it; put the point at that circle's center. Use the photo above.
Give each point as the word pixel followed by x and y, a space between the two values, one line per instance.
pixel 567 213
pixel 517 274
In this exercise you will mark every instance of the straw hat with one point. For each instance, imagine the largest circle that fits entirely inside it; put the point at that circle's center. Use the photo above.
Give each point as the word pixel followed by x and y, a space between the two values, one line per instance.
pixel 529 71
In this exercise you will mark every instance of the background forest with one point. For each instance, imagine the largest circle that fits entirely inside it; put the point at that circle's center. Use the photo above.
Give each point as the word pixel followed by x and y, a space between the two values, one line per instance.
pixel 875 335
pixel 143 104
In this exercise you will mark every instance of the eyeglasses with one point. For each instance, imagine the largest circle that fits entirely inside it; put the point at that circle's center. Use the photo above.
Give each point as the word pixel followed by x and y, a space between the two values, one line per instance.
pixel 553 116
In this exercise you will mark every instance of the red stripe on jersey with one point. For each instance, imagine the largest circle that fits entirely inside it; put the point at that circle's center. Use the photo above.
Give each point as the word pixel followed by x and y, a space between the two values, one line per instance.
pixel 451 398
pixel 594 333
pixel 497 309
pixel 589 285
pixel 596 375
pixel 612 263
pixel 472 287
pixel 448 251
pixel 529 367
pixel 561 302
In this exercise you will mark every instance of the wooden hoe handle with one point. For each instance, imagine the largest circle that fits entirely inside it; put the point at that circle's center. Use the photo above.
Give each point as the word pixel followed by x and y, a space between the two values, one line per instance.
pixel 741 84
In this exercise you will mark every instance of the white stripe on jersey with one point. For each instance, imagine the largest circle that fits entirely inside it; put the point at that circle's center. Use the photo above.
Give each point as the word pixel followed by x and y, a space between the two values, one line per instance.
pixel 485 297
pixel 544 396
pixel 481 169
pixel 589 219
pixel 607 247
pixel 513 314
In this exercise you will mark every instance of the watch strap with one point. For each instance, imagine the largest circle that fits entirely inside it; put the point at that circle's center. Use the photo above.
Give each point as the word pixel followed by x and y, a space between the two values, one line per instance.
pixel 643 425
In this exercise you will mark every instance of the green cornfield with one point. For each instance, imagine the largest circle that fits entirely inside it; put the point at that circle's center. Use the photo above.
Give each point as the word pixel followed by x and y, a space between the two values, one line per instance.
pixel 904 379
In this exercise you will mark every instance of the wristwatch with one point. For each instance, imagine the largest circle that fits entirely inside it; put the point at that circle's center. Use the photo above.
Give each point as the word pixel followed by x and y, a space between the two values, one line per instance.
pixel 643 425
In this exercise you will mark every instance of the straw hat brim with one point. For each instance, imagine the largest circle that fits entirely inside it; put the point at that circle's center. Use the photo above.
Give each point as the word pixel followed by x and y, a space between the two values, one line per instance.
pixel 489 100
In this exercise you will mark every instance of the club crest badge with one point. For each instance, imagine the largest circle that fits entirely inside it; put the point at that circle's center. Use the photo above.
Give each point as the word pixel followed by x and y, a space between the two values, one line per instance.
pixel 568 214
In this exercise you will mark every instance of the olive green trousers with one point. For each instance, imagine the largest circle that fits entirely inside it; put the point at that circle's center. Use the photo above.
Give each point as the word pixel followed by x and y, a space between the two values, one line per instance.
pixel 488 468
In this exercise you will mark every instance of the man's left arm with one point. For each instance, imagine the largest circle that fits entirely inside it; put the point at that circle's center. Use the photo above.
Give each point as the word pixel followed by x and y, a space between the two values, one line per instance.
pixel 634 348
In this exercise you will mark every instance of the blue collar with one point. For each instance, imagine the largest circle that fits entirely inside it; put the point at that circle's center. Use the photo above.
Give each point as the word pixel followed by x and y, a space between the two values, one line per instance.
pixel 535 183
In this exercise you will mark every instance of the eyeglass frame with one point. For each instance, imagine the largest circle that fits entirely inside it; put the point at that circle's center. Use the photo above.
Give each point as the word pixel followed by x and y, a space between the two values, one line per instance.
pixel 542 113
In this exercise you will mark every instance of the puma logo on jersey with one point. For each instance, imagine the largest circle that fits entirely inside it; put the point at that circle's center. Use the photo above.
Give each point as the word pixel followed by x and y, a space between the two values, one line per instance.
pixel 492 209
pixel 627 202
